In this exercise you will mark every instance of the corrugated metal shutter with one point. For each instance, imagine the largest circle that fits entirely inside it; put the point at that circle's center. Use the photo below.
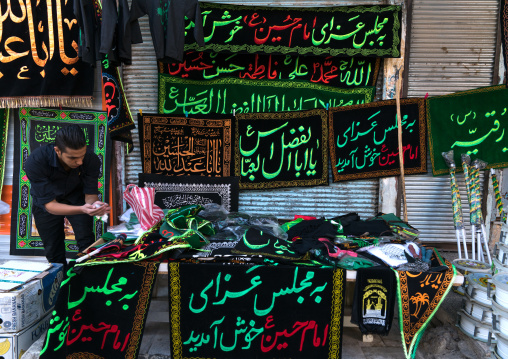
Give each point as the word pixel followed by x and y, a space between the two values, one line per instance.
pixel 140 82
pixel 453 47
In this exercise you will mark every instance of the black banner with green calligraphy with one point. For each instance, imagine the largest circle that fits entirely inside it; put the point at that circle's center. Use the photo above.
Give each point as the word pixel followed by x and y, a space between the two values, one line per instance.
pixel 364 139
pixel 332 71
pixel 39 56
pixel 178 146
pixel 283 149
pixel 33 128
pixel 472 122
pixel 101 312
pixel 228 95
pixel 336 31
pixel 243 311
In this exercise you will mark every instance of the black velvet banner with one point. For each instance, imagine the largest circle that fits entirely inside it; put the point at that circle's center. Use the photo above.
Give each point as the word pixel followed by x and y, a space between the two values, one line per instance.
pixel 34 128
pixel 332 71
pixel 364 139
pixel 40 64
pixel 173 192
pixel 282 149
pixel 243 311
pixel 335 31
pixel 178 146
pixel 420 295
pixel 101 312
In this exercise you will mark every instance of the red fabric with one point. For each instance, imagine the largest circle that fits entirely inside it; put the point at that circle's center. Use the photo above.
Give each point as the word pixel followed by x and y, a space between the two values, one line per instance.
pixel 307 218
pixel 141 201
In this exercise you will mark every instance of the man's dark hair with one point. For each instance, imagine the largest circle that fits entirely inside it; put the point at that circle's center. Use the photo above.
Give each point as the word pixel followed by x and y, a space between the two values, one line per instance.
pixel 71 136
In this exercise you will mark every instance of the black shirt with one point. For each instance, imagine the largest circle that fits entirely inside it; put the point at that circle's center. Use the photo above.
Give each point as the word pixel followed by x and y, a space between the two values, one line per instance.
pixel 49 180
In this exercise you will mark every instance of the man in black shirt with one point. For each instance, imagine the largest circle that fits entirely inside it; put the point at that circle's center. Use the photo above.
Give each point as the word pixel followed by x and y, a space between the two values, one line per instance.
pixel 63 180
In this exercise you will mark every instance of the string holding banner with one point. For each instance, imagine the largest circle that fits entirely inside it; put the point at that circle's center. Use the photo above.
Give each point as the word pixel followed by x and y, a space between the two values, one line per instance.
pixel 398 89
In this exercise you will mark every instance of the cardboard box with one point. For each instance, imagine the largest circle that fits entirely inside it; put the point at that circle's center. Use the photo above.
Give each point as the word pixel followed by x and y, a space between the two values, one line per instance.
pixel 22 307
pixel 13 346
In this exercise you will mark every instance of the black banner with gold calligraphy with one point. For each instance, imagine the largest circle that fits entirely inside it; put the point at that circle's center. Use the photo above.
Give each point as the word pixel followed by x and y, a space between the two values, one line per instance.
pixel 178 146
pixel 332 71
pixel 177 191
pixel 36 127
pixel 243 311
pixel 39 56
pixel 101 312
pixel 420 295
pixel 282 149
pixel 335 31
pixel 364 139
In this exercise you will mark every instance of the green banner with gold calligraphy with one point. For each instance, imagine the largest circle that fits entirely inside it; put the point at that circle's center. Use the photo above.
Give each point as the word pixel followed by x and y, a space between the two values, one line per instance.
pixel 39 56
pixel 471 122
pixel 36 127
pixel 228 95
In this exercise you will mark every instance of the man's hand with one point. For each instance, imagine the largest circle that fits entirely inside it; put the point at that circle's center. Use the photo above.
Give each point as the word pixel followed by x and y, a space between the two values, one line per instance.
pixel 97 208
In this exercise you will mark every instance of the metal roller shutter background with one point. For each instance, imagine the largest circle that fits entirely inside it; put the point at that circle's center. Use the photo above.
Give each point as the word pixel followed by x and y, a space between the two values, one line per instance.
pixel 452 48
pixel 140 82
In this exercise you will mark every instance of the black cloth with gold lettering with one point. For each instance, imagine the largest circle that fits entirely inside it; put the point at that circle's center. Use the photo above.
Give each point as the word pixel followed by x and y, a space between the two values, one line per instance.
pixel 374 300
pixel 42 67
pixel 101 312
pixel 175 145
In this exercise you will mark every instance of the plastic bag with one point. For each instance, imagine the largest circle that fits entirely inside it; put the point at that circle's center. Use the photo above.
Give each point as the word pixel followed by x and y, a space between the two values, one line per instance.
pixel 4 207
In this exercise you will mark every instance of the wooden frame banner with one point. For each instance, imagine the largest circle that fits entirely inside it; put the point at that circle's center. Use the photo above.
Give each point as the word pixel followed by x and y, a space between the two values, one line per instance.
pixel 234 95
pixel 101 312
pixel 40 63
pixel 282 149
pixel 244 311
pixel 178 146
pixel 472 122
pixel 33 128
pixel 177 191
pixel 325 70
pixel 335 31
pixel 364 139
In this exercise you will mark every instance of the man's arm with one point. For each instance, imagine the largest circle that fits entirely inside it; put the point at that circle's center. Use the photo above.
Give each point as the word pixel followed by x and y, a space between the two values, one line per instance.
pixel 61 209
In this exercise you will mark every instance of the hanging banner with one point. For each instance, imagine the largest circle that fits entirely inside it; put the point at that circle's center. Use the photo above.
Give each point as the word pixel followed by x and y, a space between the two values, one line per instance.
pixel 471 122
pixel 4 132
pixel 40 64
pixel 364 139
pixel 178 146
pixel 101 312
pixel 173 192
pixel 223 96
pixel 33 128
pixel 335 31
pixel 244 311
pixel 283 149
pixel 329 70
